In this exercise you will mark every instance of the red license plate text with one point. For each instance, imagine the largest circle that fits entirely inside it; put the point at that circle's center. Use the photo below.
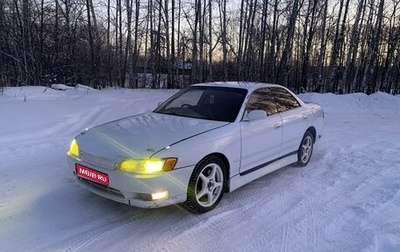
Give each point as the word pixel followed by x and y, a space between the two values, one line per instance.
pixel 92 175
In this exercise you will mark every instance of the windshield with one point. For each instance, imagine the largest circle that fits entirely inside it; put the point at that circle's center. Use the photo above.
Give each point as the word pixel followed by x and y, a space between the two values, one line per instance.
pixel 211 103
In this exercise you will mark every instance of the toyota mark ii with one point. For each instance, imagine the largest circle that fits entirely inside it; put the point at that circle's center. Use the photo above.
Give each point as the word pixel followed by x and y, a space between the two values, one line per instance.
pixel 204 141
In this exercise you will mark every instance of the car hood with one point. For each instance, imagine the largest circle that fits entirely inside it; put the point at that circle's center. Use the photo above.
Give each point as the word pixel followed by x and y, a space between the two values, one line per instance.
pixel 138 136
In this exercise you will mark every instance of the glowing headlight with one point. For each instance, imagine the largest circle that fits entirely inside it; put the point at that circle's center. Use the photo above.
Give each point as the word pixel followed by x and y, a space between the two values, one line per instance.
pixel 147 166
pixel 153 166
pixel 73 149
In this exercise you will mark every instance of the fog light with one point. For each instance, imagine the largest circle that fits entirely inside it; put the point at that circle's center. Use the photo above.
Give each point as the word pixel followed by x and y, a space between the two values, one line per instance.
pixel 159 195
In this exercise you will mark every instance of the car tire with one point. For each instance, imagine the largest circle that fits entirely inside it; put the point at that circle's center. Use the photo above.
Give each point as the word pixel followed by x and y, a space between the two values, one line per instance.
pixel 305 149
pixel 206 185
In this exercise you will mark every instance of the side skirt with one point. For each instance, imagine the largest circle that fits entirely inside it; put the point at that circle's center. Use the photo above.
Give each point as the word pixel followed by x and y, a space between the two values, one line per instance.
pixel 259 171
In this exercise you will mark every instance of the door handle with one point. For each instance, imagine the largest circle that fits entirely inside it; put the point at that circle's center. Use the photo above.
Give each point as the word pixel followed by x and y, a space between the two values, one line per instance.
pixel 305 117
pixel 277 126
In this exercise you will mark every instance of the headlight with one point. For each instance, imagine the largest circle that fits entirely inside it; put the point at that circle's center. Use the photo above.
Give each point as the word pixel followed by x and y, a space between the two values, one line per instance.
pixel 73 149
pixel 147 166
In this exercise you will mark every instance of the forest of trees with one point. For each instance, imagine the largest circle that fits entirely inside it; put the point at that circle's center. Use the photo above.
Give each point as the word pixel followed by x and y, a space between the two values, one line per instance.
pixel 339 46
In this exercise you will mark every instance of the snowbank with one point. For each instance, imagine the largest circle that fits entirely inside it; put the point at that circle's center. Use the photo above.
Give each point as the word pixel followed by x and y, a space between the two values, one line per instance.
pixel 346 199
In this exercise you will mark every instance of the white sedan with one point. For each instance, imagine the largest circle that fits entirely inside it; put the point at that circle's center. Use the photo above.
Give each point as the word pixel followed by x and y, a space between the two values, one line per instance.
pixel 206 140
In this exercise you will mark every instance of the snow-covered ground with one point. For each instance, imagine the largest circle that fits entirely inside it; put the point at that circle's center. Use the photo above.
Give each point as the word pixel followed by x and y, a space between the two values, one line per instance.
pixel 346 199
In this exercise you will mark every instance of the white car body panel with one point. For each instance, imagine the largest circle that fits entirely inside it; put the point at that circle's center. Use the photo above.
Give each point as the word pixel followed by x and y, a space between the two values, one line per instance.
pixel 223 140
pixel 261 141
pixel 239 181
pixel 125 187
pixel 294 125
pixel 140 136
pixel 250 149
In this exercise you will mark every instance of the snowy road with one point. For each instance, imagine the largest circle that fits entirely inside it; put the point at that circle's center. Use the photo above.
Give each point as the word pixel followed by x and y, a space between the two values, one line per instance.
pixel 346 199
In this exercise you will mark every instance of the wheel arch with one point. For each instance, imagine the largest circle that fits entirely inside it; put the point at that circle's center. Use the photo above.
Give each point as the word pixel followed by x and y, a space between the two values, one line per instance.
pixel 313 132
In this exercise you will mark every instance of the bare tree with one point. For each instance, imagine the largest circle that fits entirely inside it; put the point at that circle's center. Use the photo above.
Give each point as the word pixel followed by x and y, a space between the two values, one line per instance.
pixel 373 66
pixel 352 51
pixel 337 47
pixel 285 64
pixel 314 45
pixel 308 35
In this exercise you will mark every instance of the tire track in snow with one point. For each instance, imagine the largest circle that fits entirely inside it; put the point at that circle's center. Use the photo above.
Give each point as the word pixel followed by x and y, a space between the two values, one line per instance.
pixel 314 225
pixel 246 219
pixel 338 200
pixel 353 193
pixel 243 215
pixel 309 224
pixel 260 208
pixel 142 224
pixel 95 235
pixel 237 213
pixel 284 235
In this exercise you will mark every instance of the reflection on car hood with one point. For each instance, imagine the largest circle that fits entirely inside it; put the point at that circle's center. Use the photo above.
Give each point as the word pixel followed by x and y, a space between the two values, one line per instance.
pixel 140 136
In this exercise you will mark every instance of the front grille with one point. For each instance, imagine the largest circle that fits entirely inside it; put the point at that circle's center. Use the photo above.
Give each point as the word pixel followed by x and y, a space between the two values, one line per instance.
pixel 99 161
pixel 105 189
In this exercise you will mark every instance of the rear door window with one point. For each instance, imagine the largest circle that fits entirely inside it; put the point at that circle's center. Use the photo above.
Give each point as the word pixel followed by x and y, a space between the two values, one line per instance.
pixel 283 99
pixel 262 99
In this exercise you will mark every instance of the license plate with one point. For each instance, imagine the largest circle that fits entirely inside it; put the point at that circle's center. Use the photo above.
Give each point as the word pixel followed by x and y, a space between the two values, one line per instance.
pixel 92 175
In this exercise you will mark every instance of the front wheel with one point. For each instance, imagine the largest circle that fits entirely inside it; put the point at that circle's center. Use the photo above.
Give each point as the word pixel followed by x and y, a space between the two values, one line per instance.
pixel 305 150
pixel 206 185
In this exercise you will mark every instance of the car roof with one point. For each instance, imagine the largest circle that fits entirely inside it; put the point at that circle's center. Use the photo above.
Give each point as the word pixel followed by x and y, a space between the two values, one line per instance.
pixel 238 84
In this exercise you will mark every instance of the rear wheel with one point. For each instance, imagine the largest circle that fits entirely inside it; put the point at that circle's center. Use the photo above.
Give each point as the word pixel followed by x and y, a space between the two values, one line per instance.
pixel 206 185
pixel 305 150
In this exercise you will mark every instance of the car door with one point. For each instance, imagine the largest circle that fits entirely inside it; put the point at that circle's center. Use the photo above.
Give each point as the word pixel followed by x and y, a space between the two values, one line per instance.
pixel 261 139
pixel 294 119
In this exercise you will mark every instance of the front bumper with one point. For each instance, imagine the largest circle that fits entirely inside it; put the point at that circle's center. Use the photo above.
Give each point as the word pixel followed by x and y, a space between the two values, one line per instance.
pixel 137 190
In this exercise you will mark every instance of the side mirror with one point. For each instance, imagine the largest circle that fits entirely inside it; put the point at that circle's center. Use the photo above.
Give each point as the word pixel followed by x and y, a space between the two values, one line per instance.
pixel 256 115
